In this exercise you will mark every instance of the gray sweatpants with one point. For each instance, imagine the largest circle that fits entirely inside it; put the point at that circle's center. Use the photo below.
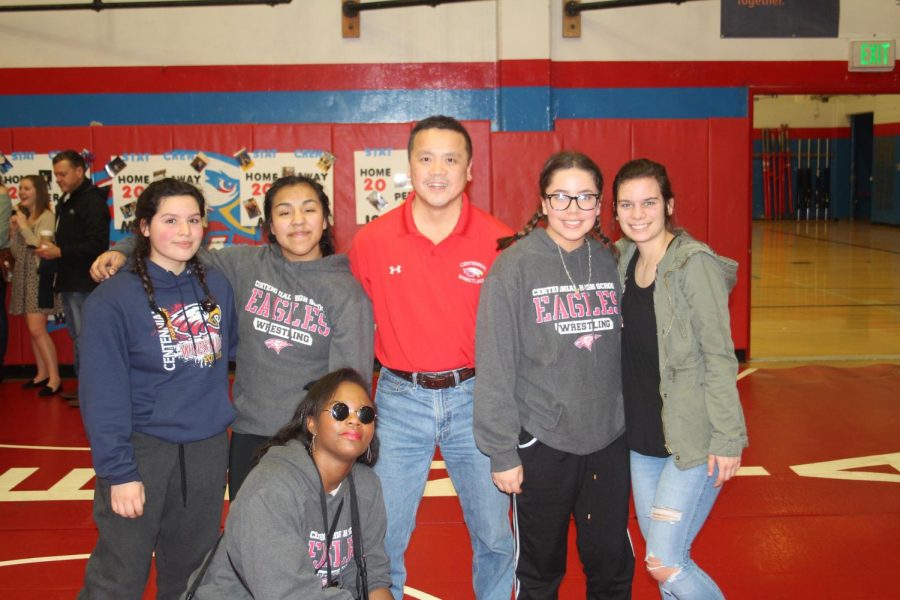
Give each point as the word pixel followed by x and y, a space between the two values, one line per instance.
pixel 182 515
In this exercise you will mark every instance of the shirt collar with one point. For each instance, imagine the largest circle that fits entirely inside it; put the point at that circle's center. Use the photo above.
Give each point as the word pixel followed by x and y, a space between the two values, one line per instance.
pixel 408 224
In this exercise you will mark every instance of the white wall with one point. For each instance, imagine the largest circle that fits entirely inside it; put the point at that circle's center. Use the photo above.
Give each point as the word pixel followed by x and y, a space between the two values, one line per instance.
pixel 814 111
pixel 308 32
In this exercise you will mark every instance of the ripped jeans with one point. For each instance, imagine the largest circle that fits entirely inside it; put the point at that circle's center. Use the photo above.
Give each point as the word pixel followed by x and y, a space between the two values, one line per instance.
pixel 671 507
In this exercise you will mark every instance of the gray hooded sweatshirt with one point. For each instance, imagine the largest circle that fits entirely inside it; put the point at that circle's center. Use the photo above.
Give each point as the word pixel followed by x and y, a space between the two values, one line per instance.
pixel 548 360
pixel 273 546
pixel 297 321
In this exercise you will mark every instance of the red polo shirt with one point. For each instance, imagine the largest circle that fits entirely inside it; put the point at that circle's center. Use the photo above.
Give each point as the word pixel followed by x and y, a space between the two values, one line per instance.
pixel 425 295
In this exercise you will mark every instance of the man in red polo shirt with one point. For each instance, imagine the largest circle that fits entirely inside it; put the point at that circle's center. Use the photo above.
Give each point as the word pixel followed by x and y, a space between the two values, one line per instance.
pixel 422 266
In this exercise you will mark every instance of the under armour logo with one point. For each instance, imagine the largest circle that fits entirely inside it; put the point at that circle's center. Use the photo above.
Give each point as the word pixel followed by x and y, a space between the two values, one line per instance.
pixel 394 270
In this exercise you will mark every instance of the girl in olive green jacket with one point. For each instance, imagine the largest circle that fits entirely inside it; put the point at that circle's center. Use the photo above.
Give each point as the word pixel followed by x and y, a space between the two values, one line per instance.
pixel 684 422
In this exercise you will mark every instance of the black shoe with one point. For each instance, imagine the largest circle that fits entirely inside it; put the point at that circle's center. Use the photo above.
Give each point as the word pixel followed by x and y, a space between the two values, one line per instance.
pixel 49 391
pixel 35 384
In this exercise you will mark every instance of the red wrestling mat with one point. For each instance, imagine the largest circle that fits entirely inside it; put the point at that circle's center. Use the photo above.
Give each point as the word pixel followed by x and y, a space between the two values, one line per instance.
pixel 815 514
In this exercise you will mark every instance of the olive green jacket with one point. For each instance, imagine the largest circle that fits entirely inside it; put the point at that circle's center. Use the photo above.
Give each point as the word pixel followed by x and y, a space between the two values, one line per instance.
pixel 702 412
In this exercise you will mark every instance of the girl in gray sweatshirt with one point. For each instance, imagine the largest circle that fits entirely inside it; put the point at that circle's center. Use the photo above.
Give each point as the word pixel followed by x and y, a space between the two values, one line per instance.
pixel 548 399
pixel 310 522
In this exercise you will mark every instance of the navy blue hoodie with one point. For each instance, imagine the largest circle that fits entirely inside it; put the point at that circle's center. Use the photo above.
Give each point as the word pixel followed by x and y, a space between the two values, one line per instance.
pixel 139 374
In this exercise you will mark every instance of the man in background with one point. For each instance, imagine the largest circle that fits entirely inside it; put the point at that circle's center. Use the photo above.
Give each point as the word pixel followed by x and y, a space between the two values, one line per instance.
pixel 82 234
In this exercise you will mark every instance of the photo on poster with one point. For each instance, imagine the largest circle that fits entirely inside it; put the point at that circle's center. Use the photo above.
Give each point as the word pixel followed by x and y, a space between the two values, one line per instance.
pixel 200 161
pixel 402 182
pixel 243 158
pixel 160 174
pixel 115 166
pixel 325 162
pixel 47 174
pixel 288 171
pixel 5 164
pixel 88 157
pixel 128 210
pixel 377 201
pixel 252 208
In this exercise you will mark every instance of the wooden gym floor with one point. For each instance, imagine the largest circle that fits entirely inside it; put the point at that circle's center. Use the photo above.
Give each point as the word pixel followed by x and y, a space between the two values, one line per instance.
pixel 814 514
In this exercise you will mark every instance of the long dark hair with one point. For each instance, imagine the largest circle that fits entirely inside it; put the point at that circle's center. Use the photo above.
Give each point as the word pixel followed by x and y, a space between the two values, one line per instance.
pixel 147 206
pixel 317 398
pixel 640 168
pixel 560 162
pixel 42 196
pixel 326 243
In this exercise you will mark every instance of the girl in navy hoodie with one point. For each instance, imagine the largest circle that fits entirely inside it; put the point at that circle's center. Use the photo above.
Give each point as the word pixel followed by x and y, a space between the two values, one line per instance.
pixel 154 398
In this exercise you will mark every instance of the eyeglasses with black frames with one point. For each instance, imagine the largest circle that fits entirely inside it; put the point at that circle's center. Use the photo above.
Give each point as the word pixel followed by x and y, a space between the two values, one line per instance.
pixel 585 201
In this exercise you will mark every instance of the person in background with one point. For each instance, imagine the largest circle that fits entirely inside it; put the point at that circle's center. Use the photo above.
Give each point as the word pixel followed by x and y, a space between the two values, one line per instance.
pixel 686 428
pixel 82 234
pixel 32 292
pixel 6 262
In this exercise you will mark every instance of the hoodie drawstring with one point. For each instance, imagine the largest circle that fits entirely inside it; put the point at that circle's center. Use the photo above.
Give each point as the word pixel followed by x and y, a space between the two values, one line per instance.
pixel 183 470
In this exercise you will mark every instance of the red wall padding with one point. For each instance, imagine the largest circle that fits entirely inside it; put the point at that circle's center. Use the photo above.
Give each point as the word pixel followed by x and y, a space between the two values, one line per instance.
pixel 730 213
pixel 517 161
pixel 708 161
pixel 347 139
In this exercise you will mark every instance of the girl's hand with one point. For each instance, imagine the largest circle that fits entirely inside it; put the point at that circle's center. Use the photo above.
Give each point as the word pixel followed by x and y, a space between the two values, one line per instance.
pixel 127 499
pixel 20 219
pixel 509 482
pixel 728 467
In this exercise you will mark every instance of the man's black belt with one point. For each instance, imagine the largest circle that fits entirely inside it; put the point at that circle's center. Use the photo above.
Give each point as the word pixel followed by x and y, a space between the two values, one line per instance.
pixel 436 381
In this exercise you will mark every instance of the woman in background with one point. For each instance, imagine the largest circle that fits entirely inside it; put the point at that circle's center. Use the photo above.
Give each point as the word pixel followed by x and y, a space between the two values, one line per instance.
pixel 31 225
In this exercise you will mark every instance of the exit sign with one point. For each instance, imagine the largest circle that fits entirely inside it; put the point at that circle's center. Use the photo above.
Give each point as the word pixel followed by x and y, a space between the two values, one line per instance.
pixel 872 55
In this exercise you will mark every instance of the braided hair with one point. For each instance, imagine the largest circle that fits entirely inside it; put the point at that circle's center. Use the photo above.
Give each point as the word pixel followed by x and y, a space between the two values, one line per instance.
pixel 560 162
pixel 147 206
pixel 320 393
pixel 326 243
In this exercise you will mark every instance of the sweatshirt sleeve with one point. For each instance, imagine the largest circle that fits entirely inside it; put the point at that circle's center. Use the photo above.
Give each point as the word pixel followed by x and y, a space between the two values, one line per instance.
pixel 267 542
pixel 93 238
pixel 378 567
pixel 105 390
pixel 353 332
pixel 707 295
pixel 45 222
pixel 496 417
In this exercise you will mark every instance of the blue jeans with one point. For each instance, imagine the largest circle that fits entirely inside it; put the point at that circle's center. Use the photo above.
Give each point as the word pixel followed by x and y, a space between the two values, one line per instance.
pixel 411 421
pixel 671 507
pixel 73 303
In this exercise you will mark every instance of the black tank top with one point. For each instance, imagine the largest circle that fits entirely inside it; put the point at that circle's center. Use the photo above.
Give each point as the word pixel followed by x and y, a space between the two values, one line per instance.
pixel 640 368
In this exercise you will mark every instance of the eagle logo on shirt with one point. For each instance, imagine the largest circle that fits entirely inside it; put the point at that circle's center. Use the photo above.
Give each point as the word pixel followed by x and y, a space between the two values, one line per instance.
pixel 472 271
pixel 277 345
pixel 587 341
